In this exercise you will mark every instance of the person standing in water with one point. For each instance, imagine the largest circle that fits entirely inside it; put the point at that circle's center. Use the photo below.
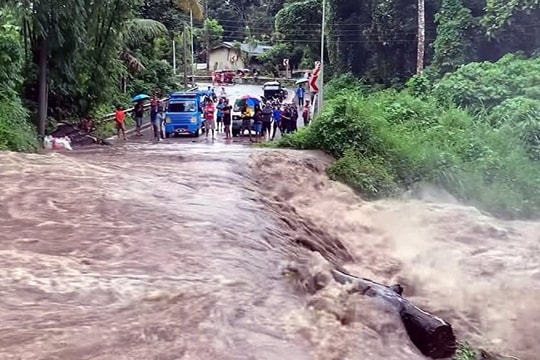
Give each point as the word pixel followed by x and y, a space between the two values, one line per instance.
pixel 266 121
pixel 293 124
pixel 227 119
pixel 306 113
pixel 119 121
pixel 219 108
pixel 246 121
pixel 300 92
pixel 223 93
pixel 276 115
pixel 257 122
pixel 209 120
pixel 138 113
pixel 153 109
pixel 157 124
pixel 285 119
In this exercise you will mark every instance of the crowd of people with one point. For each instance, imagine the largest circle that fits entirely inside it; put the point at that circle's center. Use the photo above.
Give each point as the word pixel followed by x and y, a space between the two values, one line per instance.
pixel 265 118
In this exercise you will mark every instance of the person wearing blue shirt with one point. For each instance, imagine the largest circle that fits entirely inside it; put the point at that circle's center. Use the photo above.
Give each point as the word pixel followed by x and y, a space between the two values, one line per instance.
pixel 219 108
pixel 211 93
pixel 276 115
pixel 300 92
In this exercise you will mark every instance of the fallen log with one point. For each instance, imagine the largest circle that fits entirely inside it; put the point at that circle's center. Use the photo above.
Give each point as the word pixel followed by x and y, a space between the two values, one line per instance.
pixel 433 336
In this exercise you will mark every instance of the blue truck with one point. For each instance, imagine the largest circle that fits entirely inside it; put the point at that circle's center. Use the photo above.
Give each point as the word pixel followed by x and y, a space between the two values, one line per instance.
pixel 184 114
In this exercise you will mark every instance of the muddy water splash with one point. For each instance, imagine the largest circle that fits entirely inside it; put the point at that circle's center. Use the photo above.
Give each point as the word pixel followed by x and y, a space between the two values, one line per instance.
pixel 479 273
pixel 176 252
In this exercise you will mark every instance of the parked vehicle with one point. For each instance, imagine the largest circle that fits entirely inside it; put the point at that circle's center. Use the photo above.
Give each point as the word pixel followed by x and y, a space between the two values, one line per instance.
pixel 222 77
pixel 273 90
pixel 184 114
pixel 236 116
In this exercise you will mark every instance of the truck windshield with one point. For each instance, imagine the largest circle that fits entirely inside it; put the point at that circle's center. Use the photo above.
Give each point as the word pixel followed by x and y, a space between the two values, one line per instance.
pixel 182 106
pixel 236 106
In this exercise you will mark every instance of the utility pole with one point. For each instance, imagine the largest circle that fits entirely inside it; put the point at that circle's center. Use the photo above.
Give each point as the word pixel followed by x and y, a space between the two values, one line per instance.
pixel 206 35
pixel 192 50
pixel 185 58
pixel 321 73
pixel 174 56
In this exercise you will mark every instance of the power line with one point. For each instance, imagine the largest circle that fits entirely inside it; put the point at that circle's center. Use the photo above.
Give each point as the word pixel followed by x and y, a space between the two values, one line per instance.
pixel 338 25
pixel 351 41
pixel 342 27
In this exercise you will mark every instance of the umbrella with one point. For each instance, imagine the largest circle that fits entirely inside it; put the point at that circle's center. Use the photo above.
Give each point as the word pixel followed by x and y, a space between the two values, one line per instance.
pixel 139 97
pixel 251 101
pixel 302 81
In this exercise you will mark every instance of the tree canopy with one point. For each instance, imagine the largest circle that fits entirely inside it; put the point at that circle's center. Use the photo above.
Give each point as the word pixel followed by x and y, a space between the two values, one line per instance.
pixel 79 59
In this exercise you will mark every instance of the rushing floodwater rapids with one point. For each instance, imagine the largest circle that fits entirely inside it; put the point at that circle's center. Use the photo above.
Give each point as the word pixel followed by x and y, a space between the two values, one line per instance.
pixel 178 251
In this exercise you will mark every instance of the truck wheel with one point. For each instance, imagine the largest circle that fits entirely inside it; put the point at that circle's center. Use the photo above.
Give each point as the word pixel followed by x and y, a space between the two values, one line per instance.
pixel 197 133
pixel 235 133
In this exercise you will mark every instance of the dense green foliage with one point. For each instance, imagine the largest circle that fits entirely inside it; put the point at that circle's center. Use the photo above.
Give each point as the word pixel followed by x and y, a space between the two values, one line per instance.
pixel 486 84
pixel 387 141
pixel 81 60
pixel 15 131
pixel 68 62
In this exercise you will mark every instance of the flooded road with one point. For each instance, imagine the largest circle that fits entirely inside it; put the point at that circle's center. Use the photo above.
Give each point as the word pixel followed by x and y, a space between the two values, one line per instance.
pixel 182 251
pixel 139 253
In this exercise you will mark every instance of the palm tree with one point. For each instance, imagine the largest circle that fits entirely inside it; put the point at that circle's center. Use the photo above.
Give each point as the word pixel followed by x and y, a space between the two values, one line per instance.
pixel 140 30
pixel 48 26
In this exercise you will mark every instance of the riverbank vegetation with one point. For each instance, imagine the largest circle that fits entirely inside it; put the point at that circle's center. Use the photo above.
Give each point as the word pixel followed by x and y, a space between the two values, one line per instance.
pixel 388 141
pixel 462 113
pixel 62 63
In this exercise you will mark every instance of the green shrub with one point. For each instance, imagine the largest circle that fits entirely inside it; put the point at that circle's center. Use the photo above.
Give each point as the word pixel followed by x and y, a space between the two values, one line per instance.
pixel 342 83
pixel 371 177
pixel 486 85
pixel 465 352
pixel 16 133
pixel 303 139
pixel 522 115
pixel 419 85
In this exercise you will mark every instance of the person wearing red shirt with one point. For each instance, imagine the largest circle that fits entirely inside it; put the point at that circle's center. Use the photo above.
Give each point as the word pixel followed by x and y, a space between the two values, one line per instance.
pixel 209 120
pixel 119 120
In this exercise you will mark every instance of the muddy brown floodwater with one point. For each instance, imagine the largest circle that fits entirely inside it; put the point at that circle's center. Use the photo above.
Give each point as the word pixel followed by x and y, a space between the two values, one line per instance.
pixel 179 251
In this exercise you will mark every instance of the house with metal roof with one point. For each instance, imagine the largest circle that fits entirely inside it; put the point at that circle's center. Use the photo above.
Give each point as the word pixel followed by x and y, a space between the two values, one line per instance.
pixel 229 55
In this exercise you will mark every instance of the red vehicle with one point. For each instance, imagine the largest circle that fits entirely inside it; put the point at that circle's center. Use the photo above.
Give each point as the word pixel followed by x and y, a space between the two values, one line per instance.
pixel 224 77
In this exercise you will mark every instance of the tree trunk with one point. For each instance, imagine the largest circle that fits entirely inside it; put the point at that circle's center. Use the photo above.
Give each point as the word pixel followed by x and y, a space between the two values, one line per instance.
pixel 43 84
pixel 123 84
pixel 434 337
pixel 421 37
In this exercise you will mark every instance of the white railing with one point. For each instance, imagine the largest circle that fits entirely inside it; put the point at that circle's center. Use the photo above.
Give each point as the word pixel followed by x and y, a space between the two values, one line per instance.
pixel 110 116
